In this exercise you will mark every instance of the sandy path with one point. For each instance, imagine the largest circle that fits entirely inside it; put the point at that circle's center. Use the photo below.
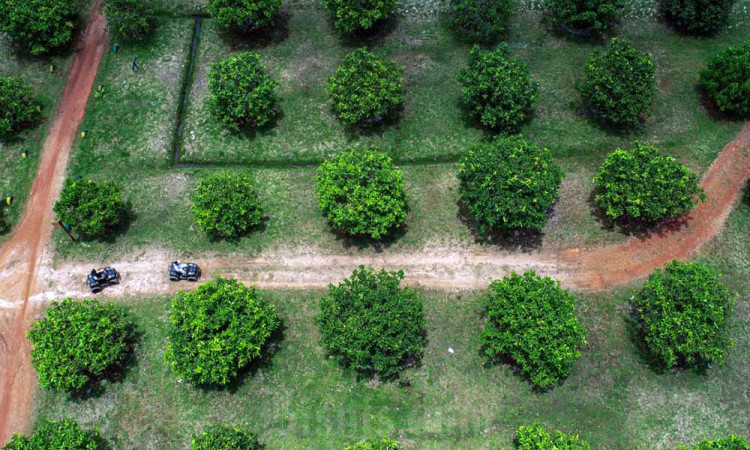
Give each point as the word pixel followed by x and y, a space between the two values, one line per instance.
pixel 22 254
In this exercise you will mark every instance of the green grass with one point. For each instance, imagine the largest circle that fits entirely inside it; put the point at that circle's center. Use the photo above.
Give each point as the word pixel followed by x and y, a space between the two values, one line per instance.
pixel 17 174
pixel 301 399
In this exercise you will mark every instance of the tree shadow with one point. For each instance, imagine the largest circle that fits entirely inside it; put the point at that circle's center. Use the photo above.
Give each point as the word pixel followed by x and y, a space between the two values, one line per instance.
pixel 582 36
pixel 374 37
pixel 518 239
pixel 375 127
pixel 250 132
pixel 467 37
pixel 712 109
pixel 260 228
pixel 641 229
pixel 258 38
pixel 361 242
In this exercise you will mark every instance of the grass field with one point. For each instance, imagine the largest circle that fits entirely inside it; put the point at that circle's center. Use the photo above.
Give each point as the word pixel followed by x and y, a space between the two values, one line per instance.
pixel 17 174
pixel 300 399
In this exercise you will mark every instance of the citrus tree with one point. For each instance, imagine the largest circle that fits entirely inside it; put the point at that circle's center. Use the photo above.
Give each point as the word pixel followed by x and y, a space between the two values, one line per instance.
pixel 699 17
pixel 80 342
pixel 93 209
pixel 244 15
pixel 584 15
pixel 508 184
pixel 18 109
pixel 619 85
pixel 362 193
pixel 371 325
pixel 726 80
pixel 243 95
pixel 131 20
pixel 62 435
pixel 535 437
pixel 365 90
pixel 223 437
pixel 730 442
pixel 531 321
pixel 683 312
pixel 226 205
pixel 497 90
pixel 374 444
pixel 217 330
pixel 644 185
pixel 39 26
pixel 481 20
pixel 353 16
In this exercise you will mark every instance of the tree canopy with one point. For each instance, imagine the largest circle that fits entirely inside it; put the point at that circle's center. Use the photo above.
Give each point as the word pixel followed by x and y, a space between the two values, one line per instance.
pixel 40 26
pixel 130 19
pixel 481 20
pixel 535 437
pixel 699 17
pixel 226 205
pixel 18 108
pixel 244 15
pixel 585 15
pixel 93 209
pixel 59 435
pixel 726 80
pixel 353 16
pixel 224 437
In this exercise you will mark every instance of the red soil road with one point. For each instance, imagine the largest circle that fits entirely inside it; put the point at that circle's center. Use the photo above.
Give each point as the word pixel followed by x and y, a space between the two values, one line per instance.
pixel 22 254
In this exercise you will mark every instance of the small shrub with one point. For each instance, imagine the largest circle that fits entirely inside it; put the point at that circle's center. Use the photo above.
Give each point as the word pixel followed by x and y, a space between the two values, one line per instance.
pixel 371 325
pixel 726 80
pixel 508 184
pixel 482 20
pixel 222 437
pixel 39 26
pixel 362 193
pixel 244 16
pixel 618 86
pixel 94 210
pixel 243 95
pixel 728 443
pixel 532 322
pixel 17 107
pixel 354 16
pixel 79 342
pixel 226 205
pixel 62 435
pixel 596 15
pixel 374 444
pixel 497 90
pixel 701 17
pixel 366 91
pixel 217 330
pixel 535 437
pixel 641 184
pixel 682 312
pixel 130 19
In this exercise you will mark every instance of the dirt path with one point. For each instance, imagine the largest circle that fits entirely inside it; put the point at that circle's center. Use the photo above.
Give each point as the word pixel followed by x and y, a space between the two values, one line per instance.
pixel 23 252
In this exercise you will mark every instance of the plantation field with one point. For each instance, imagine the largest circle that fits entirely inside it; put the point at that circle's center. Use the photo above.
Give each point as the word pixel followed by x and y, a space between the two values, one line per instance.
pixel 17 174
pixel 300 399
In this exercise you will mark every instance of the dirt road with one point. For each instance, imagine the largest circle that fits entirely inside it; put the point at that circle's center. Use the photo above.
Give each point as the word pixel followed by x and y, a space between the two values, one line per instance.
pixel 22 254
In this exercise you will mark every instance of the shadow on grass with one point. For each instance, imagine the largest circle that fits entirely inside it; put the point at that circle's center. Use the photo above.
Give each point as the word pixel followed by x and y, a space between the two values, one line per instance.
pixel 582 36
pixel 362 242
pixel 260 38
pixel 374 37
pixel 638 228
pixel 519 239
pixel 711 108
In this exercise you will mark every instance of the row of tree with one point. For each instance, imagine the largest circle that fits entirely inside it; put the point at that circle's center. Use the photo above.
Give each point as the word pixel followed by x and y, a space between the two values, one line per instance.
pixel 67 434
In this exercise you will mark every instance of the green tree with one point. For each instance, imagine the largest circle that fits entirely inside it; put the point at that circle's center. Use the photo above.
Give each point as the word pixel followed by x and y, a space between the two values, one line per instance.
pixel 371 325
pixel 59 435
pixel 362 193
pixel 535 437
pixel 644 185
pixel 244 16
pixel 374 444
pixel 132 20
pixel 243 95
pixel 731 442
pixel 683 313
pixel 80 342
pixel 700 17
pixel 94 210
pixel 726 80
pixel 596 15
pixel 353 16
pixel 366 91
pixel 18 109
pixel 497 90
pixel 217 330
pixel 223 437
pixel 481 20
pixel 39 26
pixel 508 184
pixel 226 205
pixel 531 321
pixel 618 86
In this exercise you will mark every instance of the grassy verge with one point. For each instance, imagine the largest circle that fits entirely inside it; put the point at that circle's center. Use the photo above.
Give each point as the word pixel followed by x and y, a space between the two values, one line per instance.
pixel 17 174
pixel 300 399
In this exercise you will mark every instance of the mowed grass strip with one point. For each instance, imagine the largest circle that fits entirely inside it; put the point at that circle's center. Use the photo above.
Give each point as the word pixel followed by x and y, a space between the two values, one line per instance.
pixel 16 173
pixel 300 399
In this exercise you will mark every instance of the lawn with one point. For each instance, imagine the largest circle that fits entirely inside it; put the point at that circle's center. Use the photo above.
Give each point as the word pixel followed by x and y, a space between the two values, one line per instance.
pixel 301 399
